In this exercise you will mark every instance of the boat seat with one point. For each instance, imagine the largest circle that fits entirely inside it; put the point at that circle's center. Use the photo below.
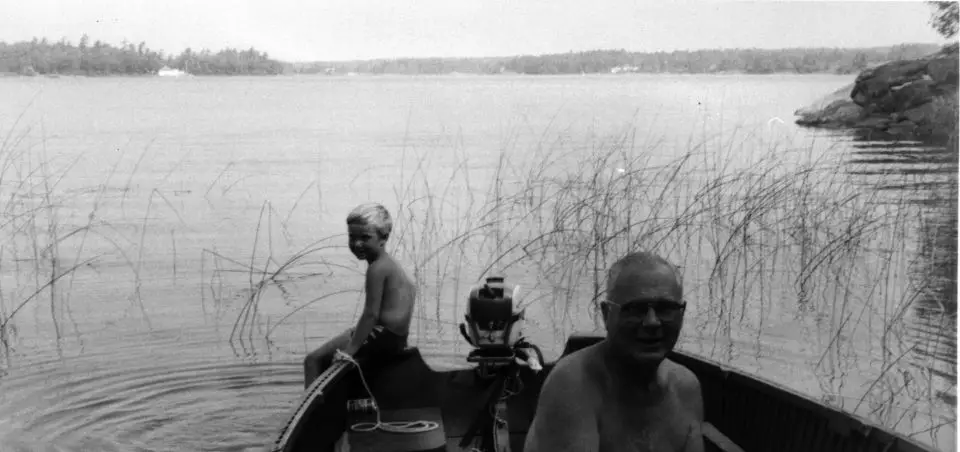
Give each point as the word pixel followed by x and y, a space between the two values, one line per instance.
pixel 578 341
pixel 380 441
pixel 516 443
pixel 715 441
pixel 398 381
pixel 378 361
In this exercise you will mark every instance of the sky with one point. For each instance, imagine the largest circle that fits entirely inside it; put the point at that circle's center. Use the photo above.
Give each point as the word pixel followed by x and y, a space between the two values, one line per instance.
pixel 326 30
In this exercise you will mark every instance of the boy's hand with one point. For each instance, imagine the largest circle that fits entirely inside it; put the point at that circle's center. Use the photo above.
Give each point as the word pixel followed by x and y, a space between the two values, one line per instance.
pixel 342 355
pixel 350 350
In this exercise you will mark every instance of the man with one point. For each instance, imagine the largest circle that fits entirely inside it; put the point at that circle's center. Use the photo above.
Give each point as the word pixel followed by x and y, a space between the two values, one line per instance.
pixel 622 394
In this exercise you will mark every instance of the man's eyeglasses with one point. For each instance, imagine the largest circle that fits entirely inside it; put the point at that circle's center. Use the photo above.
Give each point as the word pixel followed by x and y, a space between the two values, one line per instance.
pixel 665 310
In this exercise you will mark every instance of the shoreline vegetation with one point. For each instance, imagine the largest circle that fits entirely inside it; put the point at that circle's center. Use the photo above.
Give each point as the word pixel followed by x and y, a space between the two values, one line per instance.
pixel 705 61
pixel 41 56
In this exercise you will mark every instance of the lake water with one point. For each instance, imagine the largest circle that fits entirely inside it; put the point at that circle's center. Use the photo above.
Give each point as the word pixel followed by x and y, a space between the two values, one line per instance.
pixel 172 247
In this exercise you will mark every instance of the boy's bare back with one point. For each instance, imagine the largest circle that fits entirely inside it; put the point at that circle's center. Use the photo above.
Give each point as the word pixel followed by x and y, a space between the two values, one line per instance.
pixel 398 294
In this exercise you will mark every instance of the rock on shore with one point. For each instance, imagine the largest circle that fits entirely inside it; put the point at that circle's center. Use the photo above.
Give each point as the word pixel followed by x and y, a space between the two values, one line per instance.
pixel 908 97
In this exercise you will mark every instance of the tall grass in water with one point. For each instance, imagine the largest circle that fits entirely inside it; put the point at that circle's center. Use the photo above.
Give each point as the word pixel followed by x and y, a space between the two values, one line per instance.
pixel 48 240
pixel 770 246
pixel 764 247
pixel 29 223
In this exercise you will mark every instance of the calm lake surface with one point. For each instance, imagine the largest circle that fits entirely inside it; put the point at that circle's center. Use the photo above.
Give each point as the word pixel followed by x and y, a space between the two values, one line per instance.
pixel 171 248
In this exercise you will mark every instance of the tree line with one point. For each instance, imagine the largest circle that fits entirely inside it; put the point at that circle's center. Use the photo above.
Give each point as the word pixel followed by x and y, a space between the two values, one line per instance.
pixel 750 61
pixel 945 19
pixel 40 56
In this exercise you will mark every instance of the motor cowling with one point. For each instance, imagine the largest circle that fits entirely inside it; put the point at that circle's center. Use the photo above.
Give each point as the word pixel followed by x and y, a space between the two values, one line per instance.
pixel 492 323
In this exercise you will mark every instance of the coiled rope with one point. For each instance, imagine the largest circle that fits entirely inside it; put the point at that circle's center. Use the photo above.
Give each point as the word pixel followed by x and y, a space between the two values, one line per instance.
pixel 393 427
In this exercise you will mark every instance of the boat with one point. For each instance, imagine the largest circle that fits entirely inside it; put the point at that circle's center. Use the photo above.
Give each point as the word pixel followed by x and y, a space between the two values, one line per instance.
pixel 402 405
pixel 168 72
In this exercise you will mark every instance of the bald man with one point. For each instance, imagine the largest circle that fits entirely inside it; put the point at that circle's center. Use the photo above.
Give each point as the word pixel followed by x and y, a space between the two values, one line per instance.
pixel 622 394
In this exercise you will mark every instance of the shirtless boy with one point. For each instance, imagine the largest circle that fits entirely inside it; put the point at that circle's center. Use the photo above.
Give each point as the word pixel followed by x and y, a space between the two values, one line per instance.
pixel 384 324
pixel 622 394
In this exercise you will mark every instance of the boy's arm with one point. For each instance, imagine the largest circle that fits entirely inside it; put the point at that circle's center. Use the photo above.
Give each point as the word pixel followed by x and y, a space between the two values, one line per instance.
pixel 375 281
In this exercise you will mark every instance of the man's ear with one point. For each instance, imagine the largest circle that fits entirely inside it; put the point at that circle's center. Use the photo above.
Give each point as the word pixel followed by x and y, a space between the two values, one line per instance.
pixel 604 310
pixel 605 314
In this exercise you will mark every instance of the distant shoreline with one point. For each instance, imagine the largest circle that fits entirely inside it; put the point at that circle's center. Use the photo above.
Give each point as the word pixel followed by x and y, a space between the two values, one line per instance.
pixel 745 61
pixel 98 59
pixel 11 75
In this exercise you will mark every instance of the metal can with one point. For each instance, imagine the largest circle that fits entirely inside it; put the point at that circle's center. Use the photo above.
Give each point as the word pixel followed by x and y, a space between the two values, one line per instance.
pixel 362 406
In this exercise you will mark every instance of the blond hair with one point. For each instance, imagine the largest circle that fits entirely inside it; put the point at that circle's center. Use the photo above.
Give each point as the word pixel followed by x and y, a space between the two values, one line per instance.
pixel 372 214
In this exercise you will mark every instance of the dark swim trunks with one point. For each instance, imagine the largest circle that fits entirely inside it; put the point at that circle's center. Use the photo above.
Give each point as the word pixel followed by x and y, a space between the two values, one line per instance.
pixel 382 341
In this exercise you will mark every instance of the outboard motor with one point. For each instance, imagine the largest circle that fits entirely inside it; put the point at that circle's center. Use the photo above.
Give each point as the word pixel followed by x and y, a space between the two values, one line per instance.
pixel 493 326
pixel 491 321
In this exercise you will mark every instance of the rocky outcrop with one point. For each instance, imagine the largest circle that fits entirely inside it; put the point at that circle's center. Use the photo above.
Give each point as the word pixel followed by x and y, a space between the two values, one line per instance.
pixel 836 110
pixel 908 97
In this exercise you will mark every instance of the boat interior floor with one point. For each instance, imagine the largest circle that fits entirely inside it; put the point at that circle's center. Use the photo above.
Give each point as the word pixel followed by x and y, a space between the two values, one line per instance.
pixel 407 390
pixel 435 440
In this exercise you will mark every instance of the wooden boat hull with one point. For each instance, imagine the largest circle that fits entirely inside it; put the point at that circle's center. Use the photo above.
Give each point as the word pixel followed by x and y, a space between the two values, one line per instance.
pixel 753 415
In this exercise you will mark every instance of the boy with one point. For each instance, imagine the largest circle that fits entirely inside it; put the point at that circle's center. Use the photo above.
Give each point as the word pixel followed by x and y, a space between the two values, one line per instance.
pixel 385 321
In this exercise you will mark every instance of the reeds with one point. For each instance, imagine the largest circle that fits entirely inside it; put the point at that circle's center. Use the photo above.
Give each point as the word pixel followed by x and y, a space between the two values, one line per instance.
pixel 761 247
pixel 758 245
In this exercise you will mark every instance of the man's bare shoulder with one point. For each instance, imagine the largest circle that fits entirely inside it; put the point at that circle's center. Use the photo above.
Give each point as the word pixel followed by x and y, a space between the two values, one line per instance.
pixel 568 406
pixel 579 368
pixel 680 373
pixel 685 383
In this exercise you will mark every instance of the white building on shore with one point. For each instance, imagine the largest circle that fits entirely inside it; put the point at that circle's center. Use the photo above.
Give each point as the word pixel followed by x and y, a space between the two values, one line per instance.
pixel 167 72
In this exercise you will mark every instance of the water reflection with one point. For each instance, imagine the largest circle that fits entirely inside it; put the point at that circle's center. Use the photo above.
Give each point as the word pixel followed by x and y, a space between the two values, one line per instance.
pixel 924 176
pixel 935 322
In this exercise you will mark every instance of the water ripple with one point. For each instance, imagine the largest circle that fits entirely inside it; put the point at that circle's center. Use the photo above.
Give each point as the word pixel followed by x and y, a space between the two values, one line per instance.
pixel 187 397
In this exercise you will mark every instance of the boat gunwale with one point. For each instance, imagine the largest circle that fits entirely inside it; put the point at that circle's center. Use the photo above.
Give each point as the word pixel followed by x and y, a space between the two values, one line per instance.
pixel 308 402
pixel 841 423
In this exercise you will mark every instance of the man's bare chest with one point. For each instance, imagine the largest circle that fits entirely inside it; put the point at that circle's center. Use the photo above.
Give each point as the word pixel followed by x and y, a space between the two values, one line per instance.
pixel 665 426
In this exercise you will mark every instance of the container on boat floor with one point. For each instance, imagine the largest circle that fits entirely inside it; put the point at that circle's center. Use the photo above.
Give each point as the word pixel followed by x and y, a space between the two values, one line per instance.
pixel 379 440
